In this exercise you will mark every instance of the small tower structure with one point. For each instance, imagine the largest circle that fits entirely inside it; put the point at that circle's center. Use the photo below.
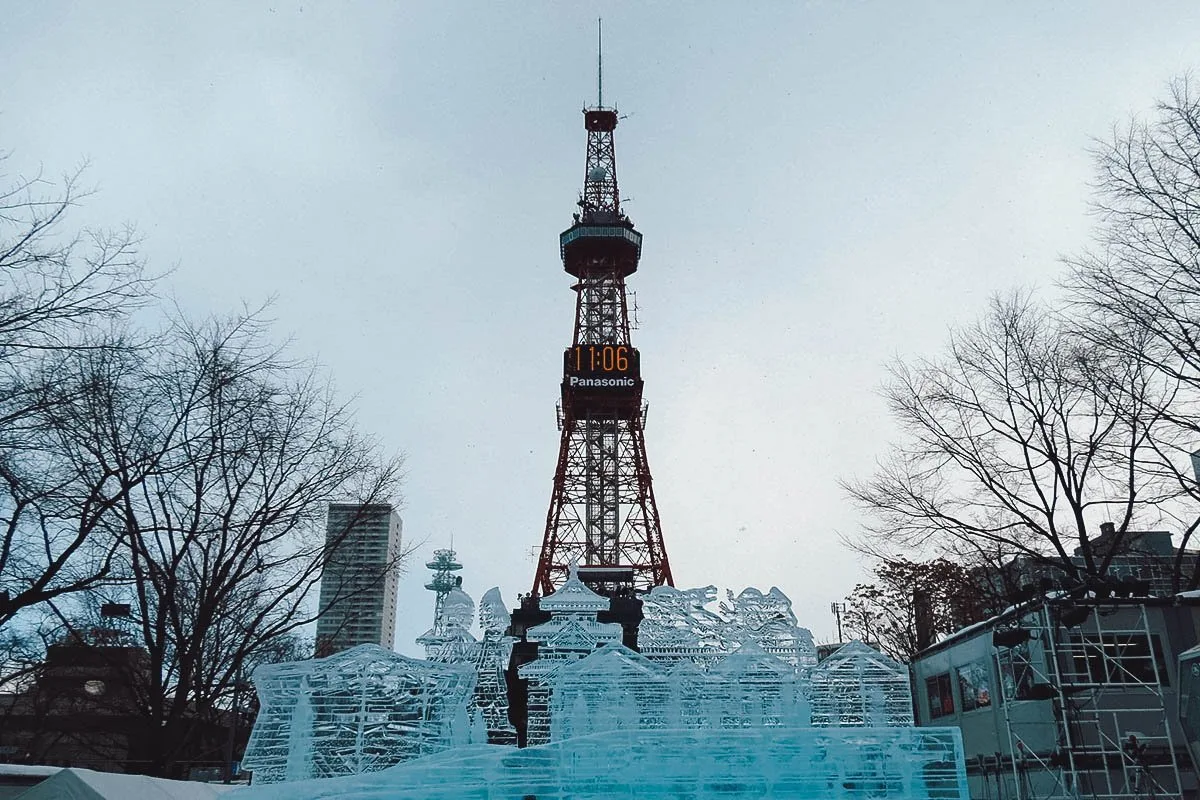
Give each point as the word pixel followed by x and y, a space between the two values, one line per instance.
pixel 602 515
pixel 444 580
pixel 448 639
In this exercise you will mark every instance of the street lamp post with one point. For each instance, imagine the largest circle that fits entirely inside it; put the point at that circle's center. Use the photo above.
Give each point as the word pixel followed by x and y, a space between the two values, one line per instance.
pixel 230 746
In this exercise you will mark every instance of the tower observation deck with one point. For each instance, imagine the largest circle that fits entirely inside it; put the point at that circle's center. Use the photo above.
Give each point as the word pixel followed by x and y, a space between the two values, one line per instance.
pixel 602 514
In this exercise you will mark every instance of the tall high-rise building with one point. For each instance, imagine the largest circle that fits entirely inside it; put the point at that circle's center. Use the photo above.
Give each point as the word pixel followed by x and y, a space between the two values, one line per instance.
pixel 359 582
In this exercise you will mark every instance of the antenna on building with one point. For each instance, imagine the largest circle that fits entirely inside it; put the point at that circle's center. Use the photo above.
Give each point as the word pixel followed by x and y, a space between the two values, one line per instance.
pixel 443 566
pixel 599 62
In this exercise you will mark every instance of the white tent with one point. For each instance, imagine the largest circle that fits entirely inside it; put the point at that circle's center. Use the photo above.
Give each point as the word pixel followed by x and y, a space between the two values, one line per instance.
pixel 86 784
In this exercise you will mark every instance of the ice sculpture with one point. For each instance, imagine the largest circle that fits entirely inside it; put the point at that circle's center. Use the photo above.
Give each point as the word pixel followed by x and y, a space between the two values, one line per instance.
pixel 757 690
pixel 450 641
pixel 493 614
pixel 454 645
pixel 678 620
pixel 491 692
pixel 678 625
pixel 459 610
pixel 767 621
pixel 612 689
pixel 765 764
pixel 615 689
pixel 689 623
pixel 357 711
pixel 572 633
pixel 860 686
pixel 726 704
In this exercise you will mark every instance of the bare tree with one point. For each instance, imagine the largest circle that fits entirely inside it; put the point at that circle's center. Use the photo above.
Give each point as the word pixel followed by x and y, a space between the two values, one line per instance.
pixel 62 291
pixel 911 603
pixel 1018 441
pixel 223 537
pixel 1140 286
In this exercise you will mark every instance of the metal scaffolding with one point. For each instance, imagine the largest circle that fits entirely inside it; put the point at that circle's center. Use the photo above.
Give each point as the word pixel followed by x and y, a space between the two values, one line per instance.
pixel 1098 725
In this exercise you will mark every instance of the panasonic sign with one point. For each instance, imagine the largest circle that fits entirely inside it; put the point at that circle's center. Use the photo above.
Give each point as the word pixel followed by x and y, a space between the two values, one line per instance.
pixel 602 383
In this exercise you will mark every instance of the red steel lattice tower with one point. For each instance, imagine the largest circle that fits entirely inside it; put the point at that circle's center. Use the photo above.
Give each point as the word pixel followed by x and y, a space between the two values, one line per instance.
pixel 602 510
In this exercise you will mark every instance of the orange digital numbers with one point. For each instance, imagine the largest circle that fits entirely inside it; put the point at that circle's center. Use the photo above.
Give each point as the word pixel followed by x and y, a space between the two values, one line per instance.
pixel 601 358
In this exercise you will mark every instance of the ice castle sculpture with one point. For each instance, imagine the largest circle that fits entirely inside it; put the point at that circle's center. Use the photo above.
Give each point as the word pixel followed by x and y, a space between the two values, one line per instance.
pixel 357 711
pixel 572 633
pixel 727 704
pixel 859 686
pixel 611 689
pixel 615 689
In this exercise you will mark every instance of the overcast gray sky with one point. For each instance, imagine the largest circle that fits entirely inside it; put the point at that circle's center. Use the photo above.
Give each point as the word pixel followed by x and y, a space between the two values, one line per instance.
pixel 822 187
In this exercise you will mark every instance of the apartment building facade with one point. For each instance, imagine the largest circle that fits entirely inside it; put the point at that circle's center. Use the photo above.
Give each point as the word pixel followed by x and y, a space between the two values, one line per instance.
pixel 360 579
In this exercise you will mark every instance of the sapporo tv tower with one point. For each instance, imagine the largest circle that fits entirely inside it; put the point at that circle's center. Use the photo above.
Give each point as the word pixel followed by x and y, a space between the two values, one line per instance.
pixel 602 514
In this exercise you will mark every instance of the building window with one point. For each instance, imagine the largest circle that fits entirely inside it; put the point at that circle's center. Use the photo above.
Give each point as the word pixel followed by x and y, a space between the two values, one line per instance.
pixel 1114 658
pixel 941 700
pixel 975 685
pixel 1017 673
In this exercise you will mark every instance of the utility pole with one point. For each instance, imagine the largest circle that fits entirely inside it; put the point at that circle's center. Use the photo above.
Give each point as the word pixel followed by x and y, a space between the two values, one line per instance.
pixel 838 609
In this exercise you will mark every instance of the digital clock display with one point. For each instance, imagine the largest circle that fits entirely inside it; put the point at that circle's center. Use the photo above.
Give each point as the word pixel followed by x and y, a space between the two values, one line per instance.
pixel 601 366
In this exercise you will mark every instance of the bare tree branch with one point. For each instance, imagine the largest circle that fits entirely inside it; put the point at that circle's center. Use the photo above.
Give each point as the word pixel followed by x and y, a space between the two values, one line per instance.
pixel 1139 287
pixel 64 297
pixel 223 536
pixel 1016 442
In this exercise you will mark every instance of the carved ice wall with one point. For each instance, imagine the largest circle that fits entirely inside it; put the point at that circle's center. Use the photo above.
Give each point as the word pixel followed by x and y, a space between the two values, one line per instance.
pixel 859 686
pixel 691 624
pixel 744 764
pixel 357 711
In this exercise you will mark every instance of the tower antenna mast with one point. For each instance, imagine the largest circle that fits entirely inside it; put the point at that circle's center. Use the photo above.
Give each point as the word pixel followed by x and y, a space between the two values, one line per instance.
pixel 599 62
